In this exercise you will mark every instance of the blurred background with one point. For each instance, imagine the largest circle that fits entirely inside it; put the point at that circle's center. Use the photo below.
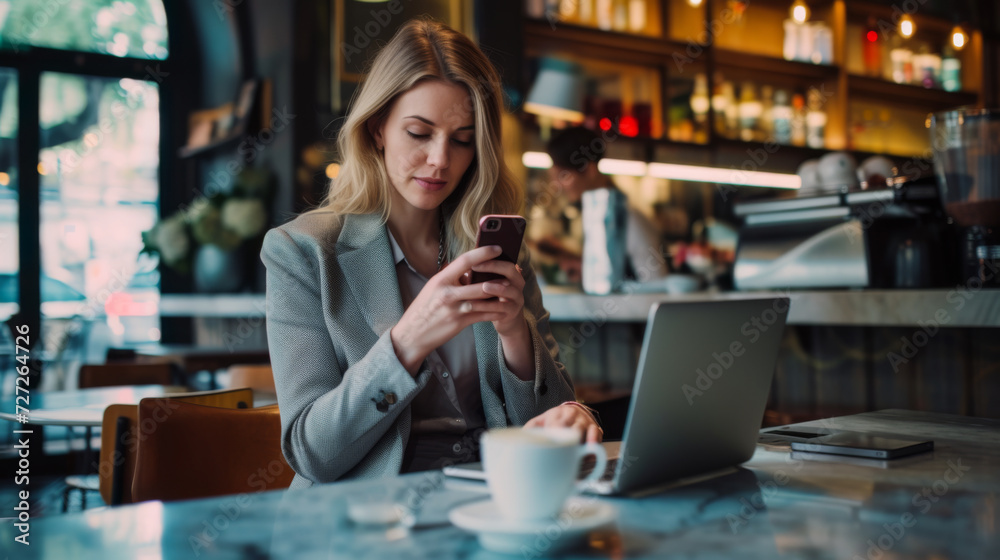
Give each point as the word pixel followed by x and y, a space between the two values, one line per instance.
pixel 146 145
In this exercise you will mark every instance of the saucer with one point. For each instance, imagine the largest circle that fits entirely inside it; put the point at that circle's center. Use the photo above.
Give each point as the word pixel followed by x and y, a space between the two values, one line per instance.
pixel 535 537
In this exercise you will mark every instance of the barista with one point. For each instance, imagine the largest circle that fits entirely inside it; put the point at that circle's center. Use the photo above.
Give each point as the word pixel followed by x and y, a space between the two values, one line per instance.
pixel 573 172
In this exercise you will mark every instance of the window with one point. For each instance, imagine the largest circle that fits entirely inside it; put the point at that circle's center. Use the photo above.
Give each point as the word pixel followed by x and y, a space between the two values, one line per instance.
pixel 9 263
pixel 92 179
pixel 125 28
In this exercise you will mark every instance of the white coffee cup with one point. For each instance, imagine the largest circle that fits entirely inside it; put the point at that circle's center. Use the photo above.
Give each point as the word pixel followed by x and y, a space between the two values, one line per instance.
pixel 532 471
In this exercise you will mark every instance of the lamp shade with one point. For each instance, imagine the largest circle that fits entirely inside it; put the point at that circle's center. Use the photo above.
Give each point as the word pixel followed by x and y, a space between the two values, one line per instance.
pixel 557 91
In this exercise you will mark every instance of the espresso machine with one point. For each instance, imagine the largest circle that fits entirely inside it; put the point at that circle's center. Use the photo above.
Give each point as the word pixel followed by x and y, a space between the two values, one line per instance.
pixel 897 236
pixel 966 145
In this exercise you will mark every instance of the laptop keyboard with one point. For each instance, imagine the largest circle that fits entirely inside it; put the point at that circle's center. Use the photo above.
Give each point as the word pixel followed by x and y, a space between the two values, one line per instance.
pixel 588 467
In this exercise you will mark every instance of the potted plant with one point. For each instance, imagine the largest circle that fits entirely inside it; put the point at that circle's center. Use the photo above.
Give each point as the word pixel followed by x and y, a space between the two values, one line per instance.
pixel 207 237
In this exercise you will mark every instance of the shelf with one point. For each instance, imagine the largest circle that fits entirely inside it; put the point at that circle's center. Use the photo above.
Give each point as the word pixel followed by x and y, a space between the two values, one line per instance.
pixel 932 99
pixel 728 59
pixel 597 43
pixel 786 159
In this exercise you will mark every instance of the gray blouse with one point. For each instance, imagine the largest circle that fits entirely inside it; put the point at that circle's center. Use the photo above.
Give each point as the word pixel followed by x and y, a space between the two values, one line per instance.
pixel 451 402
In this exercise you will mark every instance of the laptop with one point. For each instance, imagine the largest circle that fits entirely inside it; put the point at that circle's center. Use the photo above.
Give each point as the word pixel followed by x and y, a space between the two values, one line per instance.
pixel 699 395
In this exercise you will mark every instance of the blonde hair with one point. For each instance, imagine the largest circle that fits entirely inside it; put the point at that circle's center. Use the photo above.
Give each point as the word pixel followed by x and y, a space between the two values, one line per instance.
pixel 423 49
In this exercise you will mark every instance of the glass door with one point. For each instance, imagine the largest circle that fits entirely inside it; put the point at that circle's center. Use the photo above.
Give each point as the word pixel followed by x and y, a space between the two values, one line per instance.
pixel 98 167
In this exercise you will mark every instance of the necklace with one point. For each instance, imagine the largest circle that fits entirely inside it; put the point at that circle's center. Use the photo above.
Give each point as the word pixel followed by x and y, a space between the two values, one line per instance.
pixel 440 241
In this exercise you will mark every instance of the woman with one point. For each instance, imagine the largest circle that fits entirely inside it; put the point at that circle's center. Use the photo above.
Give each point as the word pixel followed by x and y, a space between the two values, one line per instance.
pixel 385 359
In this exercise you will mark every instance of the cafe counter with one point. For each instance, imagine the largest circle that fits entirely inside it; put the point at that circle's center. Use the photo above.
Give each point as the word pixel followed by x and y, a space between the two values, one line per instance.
pixel 960 307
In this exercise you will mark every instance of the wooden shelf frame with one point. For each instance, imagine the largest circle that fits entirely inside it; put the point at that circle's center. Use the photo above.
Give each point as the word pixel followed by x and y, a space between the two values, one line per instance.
pixel 931 98
pixel 662 52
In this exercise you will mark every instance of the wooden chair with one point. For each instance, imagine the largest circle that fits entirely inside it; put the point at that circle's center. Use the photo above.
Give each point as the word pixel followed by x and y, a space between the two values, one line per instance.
pixel 259 377
pixel 107 375
pixel 200 451
pixel 122 434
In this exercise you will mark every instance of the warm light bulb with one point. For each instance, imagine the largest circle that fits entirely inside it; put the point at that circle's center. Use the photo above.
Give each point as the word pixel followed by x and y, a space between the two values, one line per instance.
pixel 694 3
pixel 906 27
pixel 958 38
pixel 800 11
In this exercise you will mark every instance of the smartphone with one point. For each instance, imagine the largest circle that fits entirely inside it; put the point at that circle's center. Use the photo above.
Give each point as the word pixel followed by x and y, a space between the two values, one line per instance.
pixel 863 445
pixel 471 471
pixel 505 231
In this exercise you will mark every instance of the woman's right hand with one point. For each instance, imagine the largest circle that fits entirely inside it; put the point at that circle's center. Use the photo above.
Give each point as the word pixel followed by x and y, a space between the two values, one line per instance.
pixel 443 308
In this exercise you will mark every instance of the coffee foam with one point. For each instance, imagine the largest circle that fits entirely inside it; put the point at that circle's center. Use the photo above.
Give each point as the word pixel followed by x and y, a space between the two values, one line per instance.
pixel 558 437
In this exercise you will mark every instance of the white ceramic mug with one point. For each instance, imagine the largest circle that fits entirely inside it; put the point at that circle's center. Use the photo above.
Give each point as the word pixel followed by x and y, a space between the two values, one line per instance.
pixel 532 471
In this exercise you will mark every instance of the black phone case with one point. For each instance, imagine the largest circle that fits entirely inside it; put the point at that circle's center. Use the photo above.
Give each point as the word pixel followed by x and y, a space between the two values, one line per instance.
pixel 508 237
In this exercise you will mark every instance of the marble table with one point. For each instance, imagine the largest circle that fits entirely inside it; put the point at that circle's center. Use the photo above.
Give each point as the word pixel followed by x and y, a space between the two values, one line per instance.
pixel 81 407
pixel 944 505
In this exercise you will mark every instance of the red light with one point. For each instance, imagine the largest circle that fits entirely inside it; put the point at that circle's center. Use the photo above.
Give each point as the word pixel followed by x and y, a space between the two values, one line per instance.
pixel 605 124
pixel 872 36
pixel 125 305
pixel 628 126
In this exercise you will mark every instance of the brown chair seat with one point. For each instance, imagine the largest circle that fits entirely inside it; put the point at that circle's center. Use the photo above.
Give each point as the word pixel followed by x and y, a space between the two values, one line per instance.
pixel 200 451
pixel 121 435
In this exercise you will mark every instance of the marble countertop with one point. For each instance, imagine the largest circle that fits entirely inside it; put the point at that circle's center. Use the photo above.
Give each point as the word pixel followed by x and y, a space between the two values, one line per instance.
pixel 943 505
pixel 960 307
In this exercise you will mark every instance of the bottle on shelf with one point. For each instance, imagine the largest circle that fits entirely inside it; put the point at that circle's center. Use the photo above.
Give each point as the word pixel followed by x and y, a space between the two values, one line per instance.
pixel 871 48
pixel 790 46
pixel 605 14
pixel 535 8
pixel 815 120
pixel 822 37
pixel 749 111
pixel 642 112
pixel 619 15
pixel 766 124
pixel 569 11
pixel 732 110
pixel 611 115
pixel 951 70
pixel 724 108
pixel 781 117
pixel 636 16
pixel 586 12
pixel 798 120
pixel 699 107
pixel 902 63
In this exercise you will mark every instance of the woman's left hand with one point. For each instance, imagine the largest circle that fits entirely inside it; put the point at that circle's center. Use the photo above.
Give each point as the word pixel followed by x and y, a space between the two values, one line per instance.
pixel 569 416
pixel 509 292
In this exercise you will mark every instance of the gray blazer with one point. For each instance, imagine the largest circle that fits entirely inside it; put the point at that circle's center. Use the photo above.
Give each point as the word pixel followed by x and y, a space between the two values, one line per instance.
pixel 332 296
